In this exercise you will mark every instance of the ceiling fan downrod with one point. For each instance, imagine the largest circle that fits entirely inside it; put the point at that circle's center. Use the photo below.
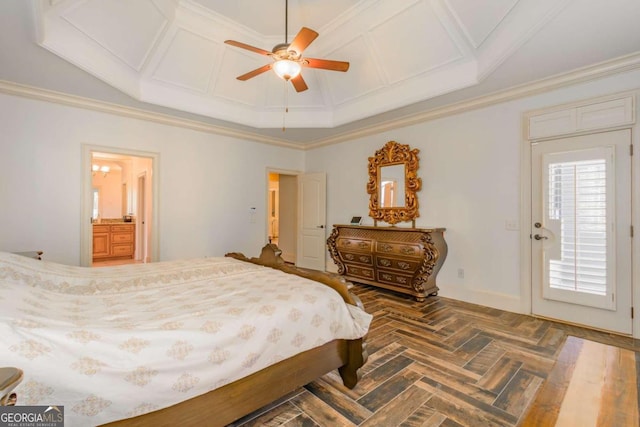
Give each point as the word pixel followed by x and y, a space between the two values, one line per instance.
pixel 286 21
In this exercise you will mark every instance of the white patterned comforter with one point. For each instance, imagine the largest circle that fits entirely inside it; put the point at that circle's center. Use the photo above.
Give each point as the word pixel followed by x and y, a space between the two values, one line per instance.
pixel 114 342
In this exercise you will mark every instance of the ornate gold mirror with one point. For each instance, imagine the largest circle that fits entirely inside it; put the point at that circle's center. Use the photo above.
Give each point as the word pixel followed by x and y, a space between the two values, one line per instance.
pixel 393 183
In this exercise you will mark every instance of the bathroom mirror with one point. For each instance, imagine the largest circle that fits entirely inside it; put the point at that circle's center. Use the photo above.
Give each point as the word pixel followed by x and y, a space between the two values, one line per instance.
pixel 393 183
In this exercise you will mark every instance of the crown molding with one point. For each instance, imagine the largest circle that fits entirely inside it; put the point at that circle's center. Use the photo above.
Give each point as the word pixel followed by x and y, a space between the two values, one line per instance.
pixel 17 89
pixel 581 75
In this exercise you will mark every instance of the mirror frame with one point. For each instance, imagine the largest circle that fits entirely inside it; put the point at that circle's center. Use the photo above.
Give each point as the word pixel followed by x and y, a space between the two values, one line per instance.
pixel 392 154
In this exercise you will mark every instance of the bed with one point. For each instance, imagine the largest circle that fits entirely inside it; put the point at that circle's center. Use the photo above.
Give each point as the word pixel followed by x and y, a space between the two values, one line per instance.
pixel 194 342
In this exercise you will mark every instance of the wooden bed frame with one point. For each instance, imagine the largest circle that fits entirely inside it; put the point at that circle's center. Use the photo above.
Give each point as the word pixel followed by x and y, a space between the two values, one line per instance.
pixel 224 405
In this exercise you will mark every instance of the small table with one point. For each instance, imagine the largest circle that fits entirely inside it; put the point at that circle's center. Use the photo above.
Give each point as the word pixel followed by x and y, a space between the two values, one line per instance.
pixel 31 254
pixel 9 379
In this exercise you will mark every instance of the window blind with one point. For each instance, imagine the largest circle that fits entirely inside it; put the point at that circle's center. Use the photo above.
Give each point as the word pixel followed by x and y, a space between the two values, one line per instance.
pixel 578 198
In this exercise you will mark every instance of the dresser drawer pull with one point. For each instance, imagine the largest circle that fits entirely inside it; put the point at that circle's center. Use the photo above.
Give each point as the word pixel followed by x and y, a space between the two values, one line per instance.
pixel 363 245
pixel 387 277
pixel 407 250
pixel 350 257
pixel 402 280
pixel 365 259
pixel 404 265
pixel 385 262
pixel 384 247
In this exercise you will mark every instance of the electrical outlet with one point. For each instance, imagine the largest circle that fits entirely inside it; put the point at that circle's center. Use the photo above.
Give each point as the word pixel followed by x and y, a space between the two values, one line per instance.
pixel 461 273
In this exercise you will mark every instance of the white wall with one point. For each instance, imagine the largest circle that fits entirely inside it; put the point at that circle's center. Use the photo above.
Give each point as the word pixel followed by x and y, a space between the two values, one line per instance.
pixel 470 170
pixel 207 182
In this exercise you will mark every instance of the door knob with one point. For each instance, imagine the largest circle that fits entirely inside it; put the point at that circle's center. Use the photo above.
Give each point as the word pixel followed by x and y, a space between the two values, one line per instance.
pixel 537 225
pixel 320 226
pixel 539 237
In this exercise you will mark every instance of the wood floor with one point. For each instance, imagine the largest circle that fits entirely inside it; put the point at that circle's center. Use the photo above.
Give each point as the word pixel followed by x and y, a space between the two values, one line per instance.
pixel 592 384
pixel 437 363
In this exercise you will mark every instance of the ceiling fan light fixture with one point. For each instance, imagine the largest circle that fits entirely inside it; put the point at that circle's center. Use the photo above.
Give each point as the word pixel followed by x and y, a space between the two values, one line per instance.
pixel 287 69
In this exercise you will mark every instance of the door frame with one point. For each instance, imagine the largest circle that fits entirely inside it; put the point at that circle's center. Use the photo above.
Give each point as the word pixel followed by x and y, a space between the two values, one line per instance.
pixel 86 227
pixel 270 170
pixel 141 204
pixel 525 198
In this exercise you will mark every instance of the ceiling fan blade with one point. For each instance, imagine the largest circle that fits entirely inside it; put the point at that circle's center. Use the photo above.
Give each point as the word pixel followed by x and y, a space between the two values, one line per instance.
pixel 326 64
pixel 255 72
pixel 248 47
pixel 303 39
pixel 299 83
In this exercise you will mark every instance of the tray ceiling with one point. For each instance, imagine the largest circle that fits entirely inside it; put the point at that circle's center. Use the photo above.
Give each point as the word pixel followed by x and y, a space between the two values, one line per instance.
pixel 172 53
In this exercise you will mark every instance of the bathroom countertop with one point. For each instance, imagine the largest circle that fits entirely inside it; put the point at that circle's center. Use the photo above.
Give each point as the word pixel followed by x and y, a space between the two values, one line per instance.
pixel 112 221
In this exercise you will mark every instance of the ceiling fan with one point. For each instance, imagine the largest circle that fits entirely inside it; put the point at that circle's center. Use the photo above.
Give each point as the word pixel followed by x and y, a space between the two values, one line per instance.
pixel 288 60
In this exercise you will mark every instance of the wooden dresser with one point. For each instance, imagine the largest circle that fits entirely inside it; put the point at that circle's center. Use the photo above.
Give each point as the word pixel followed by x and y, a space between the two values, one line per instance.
pixel 113 241
pixel 405 260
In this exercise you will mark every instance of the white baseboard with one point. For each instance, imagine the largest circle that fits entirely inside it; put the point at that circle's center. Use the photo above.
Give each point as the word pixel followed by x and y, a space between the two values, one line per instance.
pixel 330 267
pixel 289 257
pixel 483 297
pixel 486 298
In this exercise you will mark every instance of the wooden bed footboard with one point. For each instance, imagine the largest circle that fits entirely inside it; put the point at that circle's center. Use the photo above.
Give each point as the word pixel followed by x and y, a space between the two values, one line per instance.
pixel 356 349
pixel 226 404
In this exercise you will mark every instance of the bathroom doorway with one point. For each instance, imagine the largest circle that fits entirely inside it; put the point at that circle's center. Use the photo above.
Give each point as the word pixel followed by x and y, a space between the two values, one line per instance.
pixel 119 199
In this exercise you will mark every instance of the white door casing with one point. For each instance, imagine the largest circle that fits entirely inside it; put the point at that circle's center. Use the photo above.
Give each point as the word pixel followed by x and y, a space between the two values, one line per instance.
pixel 580 234
pixel 312 194
pixel 141 220
pixel 86 228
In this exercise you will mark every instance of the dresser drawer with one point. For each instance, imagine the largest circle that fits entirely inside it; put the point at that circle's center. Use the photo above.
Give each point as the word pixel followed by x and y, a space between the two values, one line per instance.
pixel 402 249
pixel 122 238
pixel 354 244
pixel 394 278
pixel 101 228
pixel 122 228
pixel 349 257
pixel 407 265
pixel 121 250
pixel 357 271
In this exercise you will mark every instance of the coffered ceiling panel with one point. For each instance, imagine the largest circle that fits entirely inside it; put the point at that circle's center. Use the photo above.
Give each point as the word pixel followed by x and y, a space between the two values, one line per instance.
pixel 478 22
pixel 364 75
pixel 267 16
pixel 413 41
pixel 127 30
pixel 225 84
pixel 188 62
pixel 402 52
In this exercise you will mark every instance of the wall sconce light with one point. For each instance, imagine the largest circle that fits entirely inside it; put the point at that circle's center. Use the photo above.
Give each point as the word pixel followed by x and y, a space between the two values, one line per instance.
pixel 104 169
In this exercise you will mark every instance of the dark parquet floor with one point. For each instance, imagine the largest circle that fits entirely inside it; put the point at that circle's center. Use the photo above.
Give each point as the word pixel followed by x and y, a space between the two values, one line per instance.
pixel 437 363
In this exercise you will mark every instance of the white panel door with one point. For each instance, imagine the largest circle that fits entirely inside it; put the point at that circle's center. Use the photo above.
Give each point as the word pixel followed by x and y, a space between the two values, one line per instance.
pixel 312 194
pixel 581 242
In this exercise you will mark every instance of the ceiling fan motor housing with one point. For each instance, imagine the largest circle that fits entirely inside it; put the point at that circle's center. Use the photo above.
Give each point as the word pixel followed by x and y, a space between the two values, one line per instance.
pixel 281 51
